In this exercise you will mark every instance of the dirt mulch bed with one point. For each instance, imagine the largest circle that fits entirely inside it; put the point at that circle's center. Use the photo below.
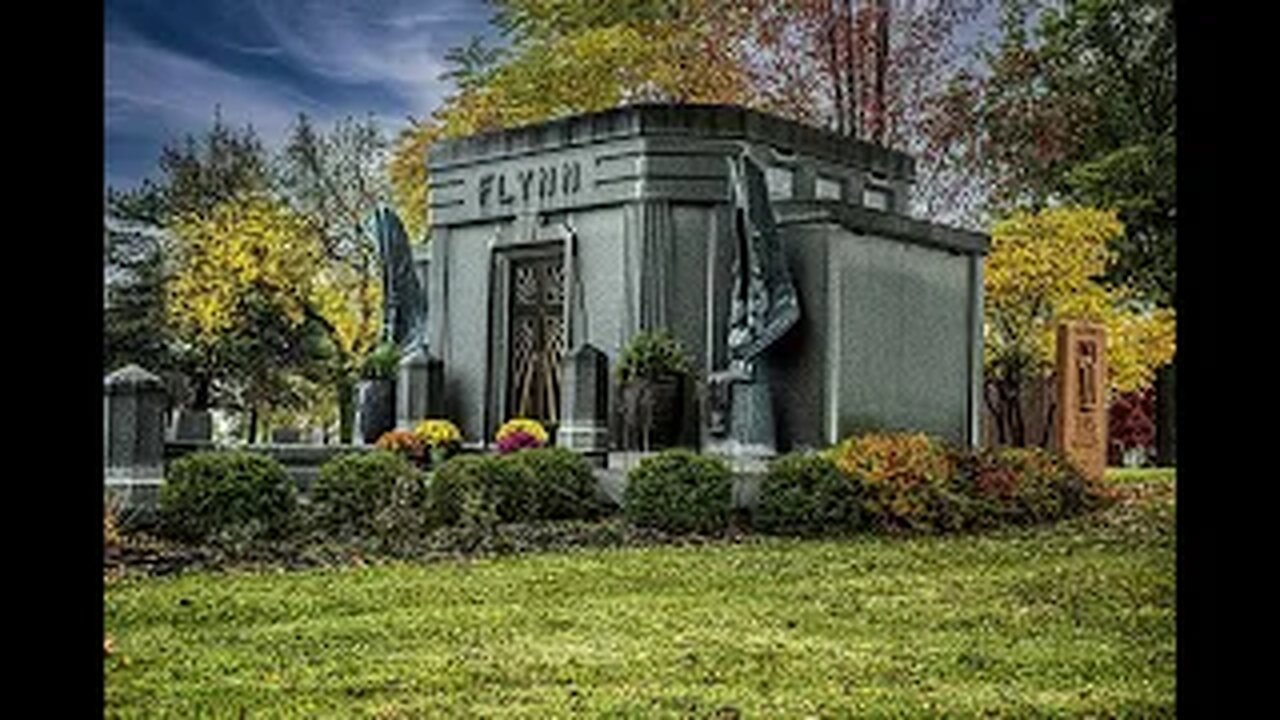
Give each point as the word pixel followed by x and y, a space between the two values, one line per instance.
pixel 150 556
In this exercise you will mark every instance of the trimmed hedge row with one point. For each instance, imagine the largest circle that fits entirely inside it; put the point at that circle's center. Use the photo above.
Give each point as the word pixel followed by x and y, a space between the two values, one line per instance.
pixel 880 482
pixel 886 483
pixel 212 496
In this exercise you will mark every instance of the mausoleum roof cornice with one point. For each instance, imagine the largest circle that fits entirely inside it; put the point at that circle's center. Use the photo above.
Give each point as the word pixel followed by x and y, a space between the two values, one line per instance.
pixel 870 221
pixel 709 122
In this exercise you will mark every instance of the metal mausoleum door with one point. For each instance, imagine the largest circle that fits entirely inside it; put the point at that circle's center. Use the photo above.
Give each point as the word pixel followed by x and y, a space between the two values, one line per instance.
pixel 537 338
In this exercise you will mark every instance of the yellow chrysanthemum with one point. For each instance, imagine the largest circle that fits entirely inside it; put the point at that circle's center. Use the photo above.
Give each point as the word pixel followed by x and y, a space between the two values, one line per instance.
pixel 438 433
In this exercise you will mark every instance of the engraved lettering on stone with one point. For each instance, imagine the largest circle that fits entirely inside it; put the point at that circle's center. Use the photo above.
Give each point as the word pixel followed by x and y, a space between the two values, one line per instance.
pixel 525 178
pixel 518 185
pixel 503 197
pixel 546 182
pixel 571 175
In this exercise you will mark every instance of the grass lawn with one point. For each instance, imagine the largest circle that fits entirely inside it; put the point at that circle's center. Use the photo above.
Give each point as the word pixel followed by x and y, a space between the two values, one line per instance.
pixel 1075 619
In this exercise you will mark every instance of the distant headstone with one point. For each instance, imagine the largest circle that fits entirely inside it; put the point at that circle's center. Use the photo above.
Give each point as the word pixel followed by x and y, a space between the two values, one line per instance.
pixel 189 425
pixel 419 388
pixel 376 409
pixel 286 435
pixel 1082 396
pixel 585 412
pixel 133 447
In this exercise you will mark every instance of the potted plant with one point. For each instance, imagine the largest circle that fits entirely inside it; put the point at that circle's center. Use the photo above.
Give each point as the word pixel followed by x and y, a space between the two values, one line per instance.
pixel 405 443
pixel 652 371
pixel 377 396
pixel 441 440
pixel 519 434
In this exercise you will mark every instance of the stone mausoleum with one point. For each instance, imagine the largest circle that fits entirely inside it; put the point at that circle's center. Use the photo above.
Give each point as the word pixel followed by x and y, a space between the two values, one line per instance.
pixel 580 232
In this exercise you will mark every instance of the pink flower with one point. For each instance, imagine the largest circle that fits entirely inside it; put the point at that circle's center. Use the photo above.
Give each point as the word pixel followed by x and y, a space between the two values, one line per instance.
pixel 517 440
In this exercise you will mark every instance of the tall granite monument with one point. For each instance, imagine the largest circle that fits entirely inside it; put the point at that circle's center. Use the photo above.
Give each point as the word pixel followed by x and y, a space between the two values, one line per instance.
pixel 1081 424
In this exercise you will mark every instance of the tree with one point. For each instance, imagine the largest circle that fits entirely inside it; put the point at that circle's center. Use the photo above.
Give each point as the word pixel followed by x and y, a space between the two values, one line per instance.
pixel 336 180
pixel 1077 105
pixel 134 327
pixel 244 288
pixel 196 175
pixel 1044 268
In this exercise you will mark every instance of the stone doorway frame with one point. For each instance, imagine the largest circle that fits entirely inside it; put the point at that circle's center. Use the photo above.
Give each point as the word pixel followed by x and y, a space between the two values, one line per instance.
pixel 543 241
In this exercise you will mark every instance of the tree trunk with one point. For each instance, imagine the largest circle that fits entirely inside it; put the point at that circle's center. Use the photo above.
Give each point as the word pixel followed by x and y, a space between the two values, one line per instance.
pixel 1018 425
pixel 346 410
pixel 1047 435
pixel 997 412
pixel 253 424
pixel 203 391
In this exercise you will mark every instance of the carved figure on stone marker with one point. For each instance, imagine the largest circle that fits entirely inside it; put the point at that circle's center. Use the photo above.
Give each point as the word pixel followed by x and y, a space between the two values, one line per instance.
pixel 1086 356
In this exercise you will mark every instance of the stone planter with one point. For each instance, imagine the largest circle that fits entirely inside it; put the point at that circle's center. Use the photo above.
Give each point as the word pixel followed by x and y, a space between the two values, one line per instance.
pixel 377 408
pixel 661 402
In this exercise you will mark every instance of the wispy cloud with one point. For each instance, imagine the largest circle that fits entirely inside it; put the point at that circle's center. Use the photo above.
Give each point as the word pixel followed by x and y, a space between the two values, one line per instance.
pixel 262 62
pixel 394 44
pixel 178 92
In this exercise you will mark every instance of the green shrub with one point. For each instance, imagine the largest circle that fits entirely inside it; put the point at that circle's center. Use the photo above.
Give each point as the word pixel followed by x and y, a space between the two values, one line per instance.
pixel 382 363
pixel 806 494
pixel 237 494
pixel 353 490
pixel 564 488
pixel 904 481
pixel 679 491
pixel 1026 486
pixel 650 355
pixel 480 490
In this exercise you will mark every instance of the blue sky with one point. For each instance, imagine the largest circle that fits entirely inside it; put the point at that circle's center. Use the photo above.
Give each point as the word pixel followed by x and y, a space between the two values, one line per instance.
pixel 168 64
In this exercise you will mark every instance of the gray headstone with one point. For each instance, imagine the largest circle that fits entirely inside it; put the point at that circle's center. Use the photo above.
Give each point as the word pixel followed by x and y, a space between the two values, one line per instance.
pixel 191 425
pixel 286 435
pixel 133 447
pixel 376 409
pixel 419 388
pixel 585 403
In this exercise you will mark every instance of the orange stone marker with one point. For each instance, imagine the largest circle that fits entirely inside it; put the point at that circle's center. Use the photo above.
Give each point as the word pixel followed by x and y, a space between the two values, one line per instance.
pixel 1081 425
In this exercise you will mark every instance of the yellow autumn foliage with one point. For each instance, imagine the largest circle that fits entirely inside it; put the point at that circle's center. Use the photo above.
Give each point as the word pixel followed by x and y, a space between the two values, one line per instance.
pixel 252 244
pixel 1042 269
pixel 593 69
pixel 259 247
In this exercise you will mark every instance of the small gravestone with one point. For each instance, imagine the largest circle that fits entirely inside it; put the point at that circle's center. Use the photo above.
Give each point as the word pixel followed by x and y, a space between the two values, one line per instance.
pixel 419 388
pixel 584 425
pixel 286 435
pixel 133 447
pixel 376 409
pixel 193 425
pixel 1081 427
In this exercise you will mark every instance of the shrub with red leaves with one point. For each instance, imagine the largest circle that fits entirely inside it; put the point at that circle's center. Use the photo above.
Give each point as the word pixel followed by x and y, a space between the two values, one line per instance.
pixel 1131 424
